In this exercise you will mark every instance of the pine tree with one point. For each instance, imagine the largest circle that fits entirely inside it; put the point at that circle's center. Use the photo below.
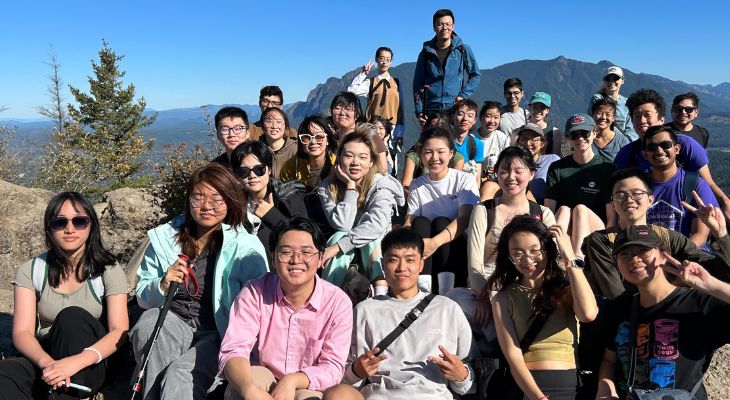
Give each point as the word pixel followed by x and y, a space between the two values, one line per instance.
pixel 102 145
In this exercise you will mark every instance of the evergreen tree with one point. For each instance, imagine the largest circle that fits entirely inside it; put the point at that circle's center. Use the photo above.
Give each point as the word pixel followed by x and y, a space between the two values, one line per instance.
pixel 101 146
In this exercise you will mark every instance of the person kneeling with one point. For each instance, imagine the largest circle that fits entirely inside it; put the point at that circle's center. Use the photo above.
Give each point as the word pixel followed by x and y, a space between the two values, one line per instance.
pixel 298 324
pixel 424 361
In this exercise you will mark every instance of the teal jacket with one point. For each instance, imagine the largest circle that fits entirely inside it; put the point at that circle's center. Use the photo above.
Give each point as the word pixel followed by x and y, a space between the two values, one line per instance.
pixel 242 258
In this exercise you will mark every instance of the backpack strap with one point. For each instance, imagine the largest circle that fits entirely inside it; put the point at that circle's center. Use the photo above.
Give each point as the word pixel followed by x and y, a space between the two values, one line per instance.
pixel 634 158
pixel 535 210
pixel 490 205
pixel 97 288
pixel 541 317
pixel 471 145
pixel 39 273
pixel 371 88
pixel 464 65
pixel 410 318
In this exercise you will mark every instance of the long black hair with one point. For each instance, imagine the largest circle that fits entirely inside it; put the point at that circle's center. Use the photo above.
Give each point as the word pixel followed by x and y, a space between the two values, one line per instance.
pixel 555 282
pixel 95 258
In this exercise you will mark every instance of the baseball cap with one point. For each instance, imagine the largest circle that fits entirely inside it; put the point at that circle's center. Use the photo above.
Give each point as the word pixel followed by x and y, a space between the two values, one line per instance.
pixel 540 97
pixel 641 235
pixel 614 70
pixel 579 122
pixel 529 127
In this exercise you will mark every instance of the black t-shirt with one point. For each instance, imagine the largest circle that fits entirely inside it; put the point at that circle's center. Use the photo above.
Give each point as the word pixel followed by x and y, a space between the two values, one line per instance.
pixel 698 133
pixel 675 339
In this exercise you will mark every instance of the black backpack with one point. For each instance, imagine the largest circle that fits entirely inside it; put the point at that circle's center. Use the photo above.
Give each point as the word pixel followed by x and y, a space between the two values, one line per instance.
pixel 491 205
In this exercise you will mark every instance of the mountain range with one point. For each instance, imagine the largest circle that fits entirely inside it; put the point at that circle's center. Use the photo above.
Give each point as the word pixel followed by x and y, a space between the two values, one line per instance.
pixel 570 83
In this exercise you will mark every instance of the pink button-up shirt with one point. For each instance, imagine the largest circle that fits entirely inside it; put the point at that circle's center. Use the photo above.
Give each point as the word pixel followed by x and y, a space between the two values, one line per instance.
pixel 314 339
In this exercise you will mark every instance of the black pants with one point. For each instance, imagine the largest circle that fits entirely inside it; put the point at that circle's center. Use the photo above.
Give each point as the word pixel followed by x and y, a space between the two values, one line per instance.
pixel 450 257
pixel 557 384
pixel 72 331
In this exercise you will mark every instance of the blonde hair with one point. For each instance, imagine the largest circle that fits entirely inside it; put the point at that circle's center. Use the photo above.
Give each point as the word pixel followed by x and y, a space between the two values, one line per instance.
pixel 362 134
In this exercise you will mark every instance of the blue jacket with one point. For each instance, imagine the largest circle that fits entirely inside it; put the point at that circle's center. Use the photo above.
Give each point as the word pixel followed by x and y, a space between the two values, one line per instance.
pixel 242 258
pixel 445 82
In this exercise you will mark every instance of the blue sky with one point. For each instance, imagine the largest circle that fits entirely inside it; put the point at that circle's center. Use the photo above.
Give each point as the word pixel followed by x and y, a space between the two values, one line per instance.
pixel 188 53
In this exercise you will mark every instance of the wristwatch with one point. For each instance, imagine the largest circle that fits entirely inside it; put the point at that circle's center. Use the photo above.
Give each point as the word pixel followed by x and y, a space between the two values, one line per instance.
pixel 578 263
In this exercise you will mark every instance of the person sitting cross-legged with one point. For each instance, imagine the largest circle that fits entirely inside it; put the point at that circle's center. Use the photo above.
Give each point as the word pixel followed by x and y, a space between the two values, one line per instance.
pixel 428 357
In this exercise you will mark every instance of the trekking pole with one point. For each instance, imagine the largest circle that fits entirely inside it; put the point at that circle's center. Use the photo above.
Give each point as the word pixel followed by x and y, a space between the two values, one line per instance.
pixel 149 347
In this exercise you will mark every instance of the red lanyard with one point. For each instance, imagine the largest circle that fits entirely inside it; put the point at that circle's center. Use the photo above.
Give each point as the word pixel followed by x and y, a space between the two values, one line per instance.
pixel 190 277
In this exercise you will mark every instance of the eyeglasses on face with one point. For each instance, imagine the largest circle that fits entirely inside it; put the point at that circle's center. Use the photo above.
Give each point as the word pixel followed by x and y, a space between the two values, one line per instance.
pixel 230 131
pixel 644 253
pixel 579 134
pixel 533 255
pixel 514 93
pixel 384 59
pixel 444 25
pixel 245 172
pixel 666 145
pixel 269 103
pixel 317 137
pixel 687 109
pixel 80 222
pixel 635 195
pixel 347 110
pixel 286 255
pixel 198 201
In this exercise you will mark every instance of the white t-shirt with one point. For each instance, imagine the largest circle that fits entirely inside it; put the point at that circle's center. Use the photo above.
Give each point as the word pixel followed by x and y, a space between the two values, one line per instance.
pixel 493 145
pixel 431 199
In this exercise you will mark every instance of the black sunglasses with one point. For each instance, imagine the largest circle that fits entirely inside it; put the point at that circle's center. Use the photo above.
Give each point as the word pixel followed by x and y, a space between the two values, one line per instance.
pixel 245 172
pixel 688 109
pixel 576 134
pixel 666 145
pixel 79 222
pixel 611 78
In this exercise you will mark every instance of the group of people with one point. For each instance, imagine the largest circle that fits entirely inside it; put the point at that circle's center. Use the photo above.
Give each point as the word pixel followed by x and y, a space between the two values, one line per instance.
pixel 292 275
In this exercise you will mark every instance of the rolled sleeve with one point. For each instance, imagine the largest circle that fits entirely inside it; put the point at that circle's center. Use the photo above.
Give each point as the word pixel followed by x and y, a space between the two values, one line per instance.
pixel 330 368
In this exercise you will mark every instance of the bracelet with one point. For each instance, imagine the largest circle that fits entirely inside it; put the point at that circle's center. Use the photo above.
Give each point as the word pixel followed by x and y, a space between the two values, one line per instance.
pixel 97 353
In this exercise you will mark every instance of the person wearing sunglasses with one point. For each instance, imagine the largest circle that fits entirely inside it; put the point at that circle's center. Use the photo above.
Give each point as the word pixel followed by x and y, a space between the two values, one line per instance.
pixel 685 109
pixel 268 201
pixel 290 330
pixel 315 156
pixel 613 79
pixel 211 256
pixel 576 184
pixel 60 296
pixel 358 203
pixel 529 279
pixel 231 126
pixel 282 147
pixel 671 183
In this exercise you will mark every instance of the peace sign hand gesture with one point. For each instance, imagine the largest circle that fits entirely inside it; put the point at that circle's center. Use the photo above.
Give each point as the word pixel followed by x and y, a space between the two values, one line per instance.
pixel 689 272
pixel 368 67
pixel 709 215
pixel 450 365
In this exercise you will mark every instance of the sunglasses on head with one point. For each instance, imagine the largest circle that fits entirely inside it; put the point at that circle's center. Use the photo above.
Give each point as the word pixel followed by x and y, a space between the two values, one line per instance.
pixel 687 109
pixel 577 134
pixel 79 222
pixel 245 172
pixel 666 145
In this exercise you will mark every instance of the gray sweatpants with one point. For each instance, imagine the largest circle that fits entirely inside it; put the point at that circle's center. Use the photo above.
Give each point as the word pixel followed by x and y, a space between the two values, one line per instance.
pixel 183 363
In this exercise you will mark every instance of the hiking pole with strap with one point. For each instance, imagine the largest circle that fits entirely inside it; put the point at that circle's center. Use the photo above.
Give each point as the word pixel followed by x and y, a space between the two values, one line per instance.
pixel 149 347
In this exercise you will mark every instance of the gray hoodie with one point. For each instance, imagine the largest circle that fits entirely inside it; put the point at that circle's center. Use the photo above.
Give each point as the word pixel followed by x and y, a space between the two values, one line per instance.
pixel 384 194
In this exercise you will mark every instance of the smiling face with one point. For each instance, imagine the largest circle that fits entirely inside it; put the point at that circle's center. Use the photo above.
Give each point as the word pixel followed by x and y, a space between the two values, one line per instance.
pixel 680 117
pixel 656 154
pixel 444 27
pixel 581 140
pixel 318 145
pixel 207 206
pixel 435 156
pixel 644 117
pixel 604 116
pixel 532 141
pixel 612 83
pixel 513 96
pixel 631 200
pixel 490 120
pixel 513 177
pixel 296 272
pixel 525 251
pixel 380 130
pixel 401 267
pixel 253 183
pixel 538 112
pixel 355 160
pixel 270 101
pixel 344 117
pixel 70 239
pixel 228 138
pixel 274 126
pixel 639 264
pixel 384 59
pixel 464 120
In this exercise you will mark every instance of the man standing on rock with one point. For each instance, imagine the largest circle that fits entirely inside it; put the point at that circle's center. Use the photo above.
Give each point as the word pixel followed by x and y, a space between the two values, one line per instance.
pixel 446 69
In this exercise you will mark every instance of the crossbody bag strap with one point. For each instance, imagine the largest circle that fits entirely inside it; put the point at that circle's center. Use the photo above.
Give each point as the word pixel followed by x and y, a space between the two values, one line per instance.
pixel 633 322
pixel 546 308
pixel 411 317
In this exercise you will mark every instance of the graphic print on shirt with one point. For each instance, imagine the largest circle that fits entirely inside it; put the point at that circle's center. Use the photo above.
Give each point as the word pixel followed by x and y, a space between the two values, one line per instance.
pixel 665 214
pixel 657 349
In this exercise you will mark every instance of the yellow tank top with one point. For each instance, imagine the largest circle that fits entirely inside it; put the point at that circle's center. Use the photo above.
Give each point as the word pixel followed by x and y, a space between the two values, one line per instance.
pixel 558 338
